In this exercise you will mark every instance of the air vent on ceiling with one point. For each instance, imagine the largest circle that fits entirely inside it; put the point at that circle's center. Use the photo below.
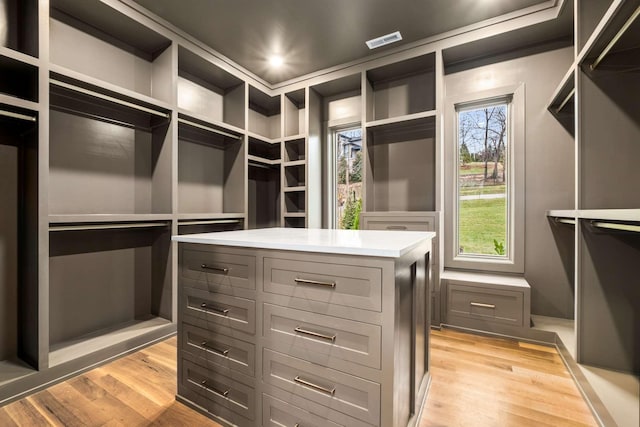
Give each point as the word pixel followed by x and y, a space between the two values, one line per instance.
pixel 384 40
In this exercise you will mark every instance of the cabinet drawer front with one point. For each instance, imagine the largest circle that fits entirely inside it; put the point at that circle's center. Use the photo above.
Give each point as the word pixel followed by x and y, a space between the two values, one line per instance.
pixel 208 307
pixel 213 347
pixel 219 271
pixel 352 286
pixel 219 388
pixel 495 305
pixel 277 413
pixel 318 337
pixel 400 224
pixel 336 390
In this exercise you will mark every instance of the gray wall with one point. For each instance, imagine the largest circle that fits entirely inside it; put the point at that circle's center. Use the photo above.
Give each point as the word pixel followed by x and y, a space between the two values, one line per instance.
pixel 549 182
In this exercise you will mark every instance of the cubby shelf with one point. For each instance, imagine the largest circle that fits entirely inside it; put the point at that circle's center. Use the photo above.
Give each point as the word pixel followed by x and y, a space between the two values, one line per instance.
pixel 264 115
pixel 209 91
pixel 110 46
pixel 298 188
pixel 263 138
pixel 19 152
pixel 20 30
pixel 19 79
pixel 400 119
pixel 399 89
pixel 107 218
pixel 208 122
pixel 294 107
pixel 210 169
pixel 400 173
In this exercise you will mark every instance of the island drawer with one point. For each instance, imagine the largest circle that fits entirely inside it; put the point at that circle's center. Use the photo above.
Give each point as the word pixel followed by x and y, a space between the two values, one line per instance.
pixel 334 389
pixel 319 337
pixel 218 271
pixel 340 284
pixel 217 387
pixel 208 347
pixel 213 308
pixel 278 413
pixel 399 223
pixel 484 303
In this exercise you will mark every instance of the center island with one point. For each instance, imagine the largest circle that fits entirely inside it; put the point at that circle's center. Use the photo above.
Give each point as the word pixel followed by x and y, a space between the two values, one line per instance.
pixel 304 327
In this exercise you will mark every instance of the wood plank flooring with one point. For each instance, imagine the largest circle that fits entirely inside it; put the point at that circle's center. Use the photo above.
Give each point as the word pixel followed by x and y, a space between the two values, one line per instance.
pixel 476 381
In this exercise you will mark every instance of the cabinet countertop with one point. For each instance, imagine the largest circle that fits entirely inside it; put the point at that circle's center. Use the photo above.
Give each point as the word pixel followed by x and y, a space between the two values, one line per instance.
pixel 379 243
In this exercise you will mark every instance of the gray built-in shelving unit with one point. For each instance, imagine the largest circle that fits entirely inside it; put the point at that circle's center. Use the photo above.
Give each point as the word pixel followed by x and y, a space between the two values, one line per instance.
pixel 119 131
pixel 141 133
pixel 600 238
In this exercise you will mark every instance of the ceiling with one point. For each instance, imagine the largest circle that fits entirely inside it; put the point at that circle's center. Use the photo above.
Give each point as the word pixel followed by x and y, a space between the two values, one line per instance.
pixel 312 35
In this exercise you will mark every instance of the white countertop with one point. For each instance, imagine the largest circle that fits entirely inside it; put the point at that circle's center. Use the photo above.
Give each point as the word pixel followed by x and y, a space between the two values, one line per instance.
pixel 380 243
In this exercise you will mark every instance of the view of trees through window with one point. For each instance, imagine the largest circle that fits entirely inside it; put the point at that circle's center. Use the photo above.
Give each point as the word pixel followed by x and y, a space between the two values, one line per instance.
pixel 348 180
pixel 482 180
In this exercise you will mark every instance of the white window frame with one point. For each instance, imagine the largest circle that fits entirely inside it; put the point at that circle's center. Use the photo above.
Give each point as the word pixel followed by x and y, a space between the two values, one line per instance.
pixel 513 262
pixel 332 168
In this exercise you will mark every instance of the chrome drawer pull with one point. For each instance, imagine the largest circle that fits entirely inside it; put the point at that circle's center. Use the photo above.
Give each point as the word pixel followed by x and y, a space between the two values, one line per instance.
pixel 206 345
pixel 221 393
pixel 330 391
pixel 479 304
pixel 223 311
pixel 331 338
pixel 315 282
pixel 396 227
pixel 214 268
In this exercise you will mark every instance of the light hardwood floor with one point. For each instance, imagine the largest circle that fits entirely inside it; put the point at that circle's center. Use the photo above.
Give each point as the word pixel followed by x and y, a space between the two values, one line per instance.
pixel 477 381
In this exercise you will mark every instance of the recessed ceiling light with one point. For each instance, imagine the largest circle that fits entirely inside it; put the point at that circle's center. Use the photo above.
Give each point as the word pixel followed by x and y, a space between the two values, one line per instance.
pixel 384 40
pixel 276 60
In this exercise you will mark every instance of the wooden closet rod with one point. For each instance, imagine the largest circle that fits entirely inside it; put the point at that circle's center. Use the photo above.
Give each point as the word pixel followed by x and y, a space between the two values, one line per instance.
pixel 109 98
pixel 564 102
pixel 18 116
pixel 210 129
pixel 615 39
pixel 615 226
pixel 112 226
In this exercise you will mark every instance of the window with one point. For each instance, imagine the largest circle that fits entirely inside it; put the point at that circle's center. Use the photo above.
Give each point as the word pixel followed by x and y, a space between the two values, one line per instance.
pixel 347 178
pixel 484 180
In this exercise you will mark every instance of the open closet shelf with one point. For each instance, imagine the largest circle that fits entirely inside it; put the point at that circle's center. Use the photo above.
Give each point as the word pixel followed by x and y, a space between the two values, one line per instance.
pixel 69 350
pixel 261 160
pixel 189 116
pixel 400 119
pixel 291 189
pixel 622 215
pixel 106 218
pixel 295 163
pixel 295 215
pixel 562 101
pixel 294 137
pixel 19 56
pixel 615 43
pixel 19 103
pixel 263 138
pixel 19 79
pixel 199 131
pixel 64 82
pixel 210 216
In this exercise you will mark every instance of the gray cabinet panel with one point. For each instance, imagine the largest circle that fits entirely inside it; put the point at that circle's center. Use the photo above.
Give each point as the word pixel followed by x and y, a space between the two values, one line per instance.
pixel 321 337
pixel 219 271
pixel 336 390
pixel 219 387
pixel 477 302
pixel 236 313
pixel 277 413
pixel 211 347
pixel 353 286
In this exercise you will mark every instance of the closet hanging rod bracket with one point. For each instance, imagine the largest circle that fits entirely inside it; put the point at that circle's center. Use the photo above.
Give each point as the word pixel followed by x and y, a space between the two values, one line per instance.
pixel 109 98
pixel 615 39
pixel 18 116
